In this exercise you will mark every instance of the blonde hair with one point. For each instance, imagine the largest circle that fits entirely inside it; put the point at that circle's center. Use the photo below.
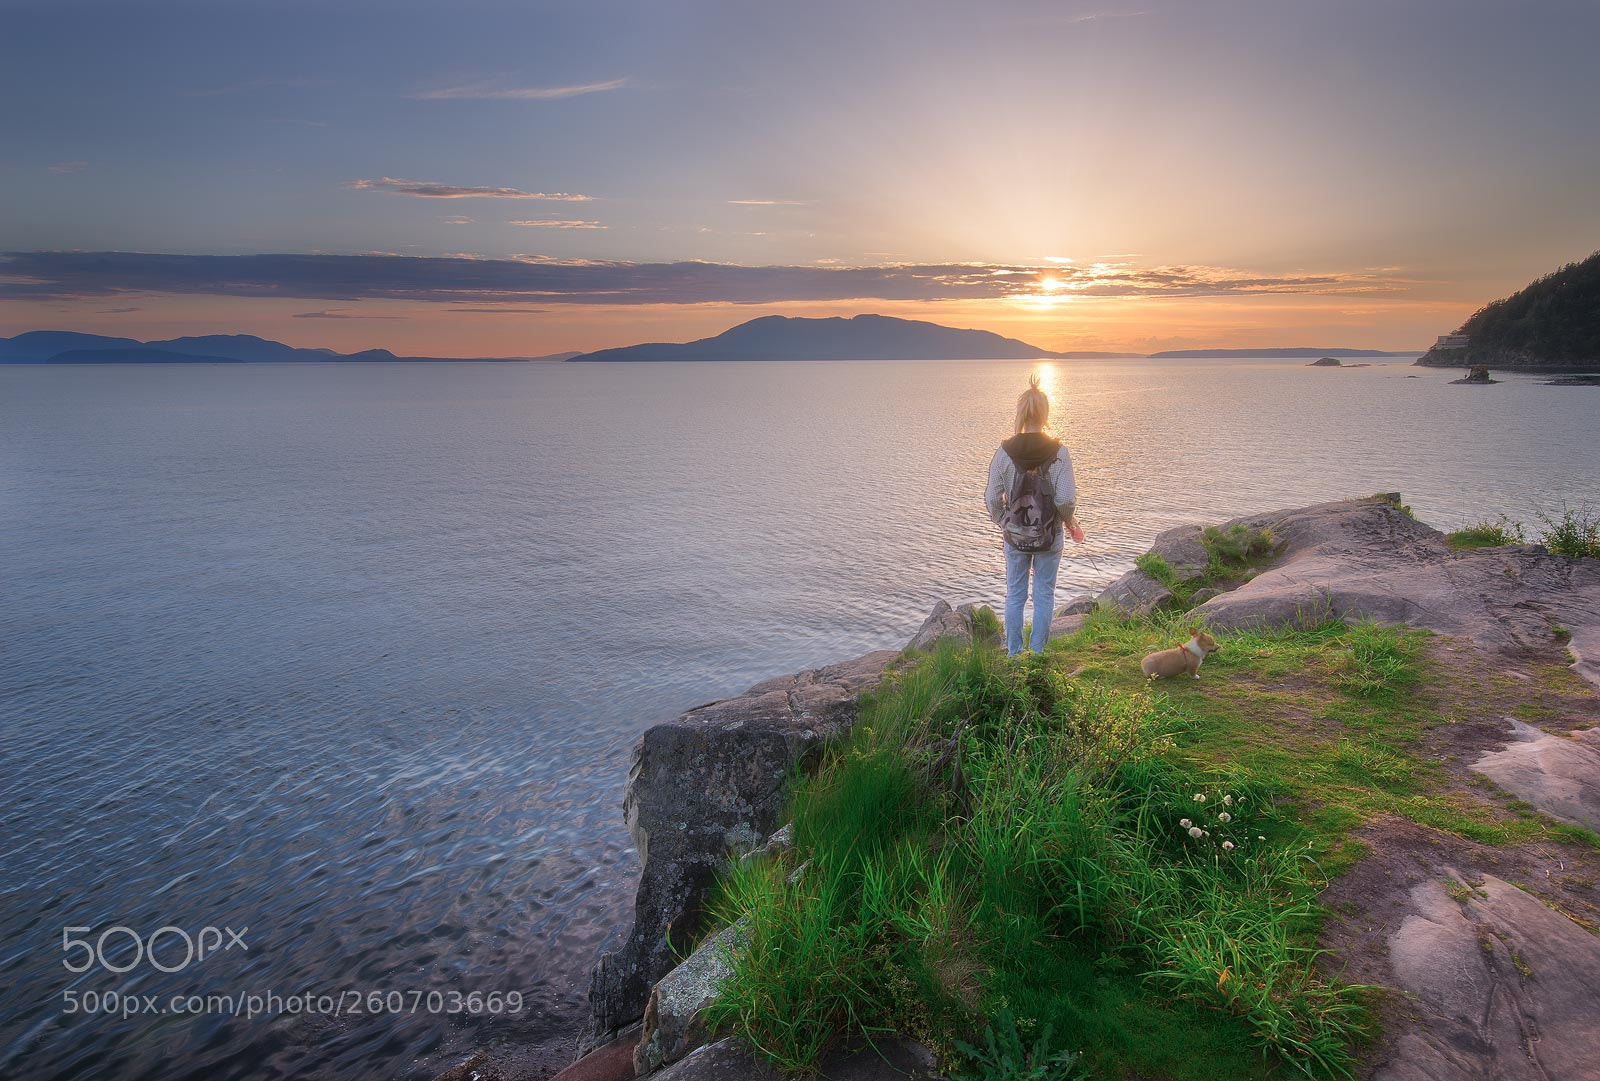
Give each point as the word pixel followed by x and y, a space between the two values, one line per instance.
pixel 1033 406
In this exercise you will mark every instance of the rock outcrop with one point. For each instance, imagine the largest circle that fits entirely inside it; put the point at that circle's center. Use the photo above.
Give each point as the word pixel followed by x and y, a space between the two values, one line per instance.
pixel 1136 593
pixel 1500 980
pixel 1478 376
pixel 673 1025
pixel 711 785
pixel 943 622
pixel 1367 559
pixel 703 788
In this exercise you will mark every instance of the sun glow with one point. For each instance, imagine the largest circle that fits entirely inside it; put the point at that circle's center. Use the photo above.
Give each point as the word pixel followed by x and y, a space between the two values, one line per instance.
pixel 1050 292
pixel 1047 380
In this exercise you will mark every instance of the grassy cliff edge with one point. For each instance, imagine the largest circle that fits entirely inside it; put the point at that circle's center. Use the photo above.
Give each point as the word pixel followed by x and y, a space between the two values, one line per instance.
pixel 1050 868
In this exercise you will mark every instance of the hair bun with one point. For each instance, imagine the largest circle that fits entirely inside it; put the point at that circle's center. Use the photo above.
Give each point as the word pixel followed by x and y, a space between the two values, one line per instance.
pixel 1033 381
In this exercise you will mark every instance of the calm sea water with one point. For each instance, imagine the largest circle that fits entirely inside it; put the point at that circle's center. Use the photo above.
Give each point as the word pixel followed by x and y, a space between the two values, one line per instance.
pixel 353 656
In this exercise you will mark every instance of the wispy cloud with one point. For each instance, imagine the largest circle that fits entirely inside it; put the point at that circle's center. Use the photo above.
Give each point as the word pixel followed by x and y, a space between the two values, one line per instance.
pixel 766 202
pixel 427 189
pixel 339 313
pixel 1103 15
pixel 68 166
pixel 259 84
pixel 459 219
pixel 501 311
pixel 43 275
pixel 117 311
pixel 1062 18
pixel 499 91
pixel 551 223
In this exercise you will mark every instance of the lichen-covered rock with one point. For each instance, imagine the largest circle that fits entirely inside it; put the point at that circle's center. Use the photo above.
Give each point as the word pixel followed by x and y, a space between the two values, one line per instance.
pixel 673 1018
pixel 703 788
pixel 1082 604
pixel 1063 625
pixel 942 623
pixel 1136 594
pixel 1584 645
pixel 1182 550
pixel 969 612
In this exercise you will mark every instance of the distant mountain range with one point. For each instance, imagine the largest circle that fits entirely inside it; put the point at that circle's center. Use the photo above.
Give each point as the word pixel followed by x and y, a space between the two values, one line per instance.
pixel 864 337
pixel 1283 351
pixel 771 337
pixel 1550 324
pixel 882 337
pixel 70 347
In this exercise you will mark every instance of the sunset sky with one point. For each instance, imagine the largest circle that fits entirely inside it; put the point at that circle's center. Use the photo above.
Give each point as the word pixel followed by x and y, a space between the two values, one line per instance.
pixel 515 178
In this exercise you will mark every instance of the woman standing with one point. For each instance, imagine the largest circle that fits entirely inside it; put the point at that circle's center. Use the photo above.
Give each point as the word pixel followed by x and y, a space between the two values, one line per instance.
pixel 1030 496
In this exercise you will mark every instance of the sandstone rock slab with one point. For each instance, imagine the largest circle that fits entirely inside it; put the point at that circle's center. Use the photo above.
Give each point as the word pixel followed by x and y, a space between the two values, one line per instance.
pixel 1366 559
pixel 1505 988
pixel 1560 775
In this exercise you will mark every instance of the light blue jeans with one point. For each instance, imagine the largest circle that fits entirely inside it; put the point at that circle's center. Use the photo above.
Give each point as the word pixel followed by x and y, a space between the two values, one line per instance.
pixel 1044 566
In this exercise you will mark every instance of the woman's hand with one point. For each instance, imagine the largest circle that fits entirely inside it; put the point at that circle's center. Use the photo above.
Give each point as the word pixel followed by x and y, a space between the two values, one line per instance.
pixel 1076 530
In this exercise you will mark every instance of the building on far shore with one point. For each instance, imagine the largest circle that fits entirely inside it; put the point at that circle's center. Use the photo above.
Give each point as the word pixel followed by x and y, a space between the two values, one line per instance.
pixel 1451 341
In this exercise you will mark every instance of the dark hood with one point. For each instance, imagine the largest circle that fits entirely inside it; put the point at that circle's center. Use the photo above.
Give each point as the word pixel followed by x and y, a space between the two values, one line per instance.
pixel 1031 449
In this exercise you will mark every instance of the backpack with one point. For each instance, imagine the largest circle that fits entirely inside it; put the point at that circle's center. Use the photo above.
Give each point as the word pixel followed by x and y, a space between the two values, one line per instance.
pixel 1031 523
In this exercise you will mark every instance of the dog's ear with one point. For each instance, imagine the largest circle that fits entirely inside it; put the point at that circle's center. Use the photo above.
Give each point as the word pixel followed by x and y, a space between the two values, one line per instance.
pixel 1194 630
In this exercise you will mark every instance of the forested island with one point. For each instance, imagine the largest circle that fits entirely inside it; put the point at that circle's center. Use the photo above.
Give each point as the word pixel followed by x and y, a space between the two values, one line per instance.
pixel 1553 324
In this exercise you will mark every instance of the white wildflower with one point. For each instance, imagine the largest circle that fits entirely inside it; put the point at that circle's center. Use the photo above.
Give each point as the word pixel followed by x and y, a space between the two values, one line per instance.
pixel 1196 832
pixel 1199 797
pixel 1259 837
pixel 1228 800
pixel 1227 846
pixel 1225 817
pixel 1185 823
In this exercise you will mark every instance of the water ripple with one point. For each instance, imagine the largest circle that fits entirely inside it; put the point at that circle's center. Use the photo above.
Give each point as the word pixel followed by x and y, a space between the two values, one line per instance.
pixel 354 656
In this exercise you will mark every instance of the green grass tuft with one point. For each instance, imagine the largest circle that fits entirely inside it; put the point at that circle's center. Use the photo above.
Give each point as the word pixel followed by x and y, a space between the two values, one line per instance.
pixel 1573 532
pixel 996 840
pixel 1230 554
pixel 1486 534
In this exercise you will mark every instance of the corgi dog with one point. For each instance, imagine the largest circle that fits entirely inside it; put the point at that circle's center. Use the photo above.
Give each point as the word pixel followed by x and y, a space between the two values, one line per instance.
pixel 1185 658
